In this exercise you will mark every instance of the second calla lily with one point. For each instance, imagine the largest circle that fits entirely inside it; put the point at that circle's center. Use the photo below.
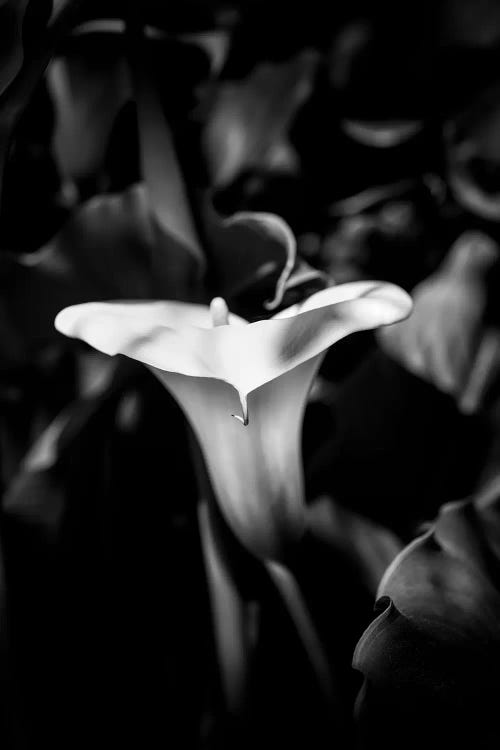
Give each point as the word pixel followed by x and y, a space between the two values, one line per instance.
pixel 219 367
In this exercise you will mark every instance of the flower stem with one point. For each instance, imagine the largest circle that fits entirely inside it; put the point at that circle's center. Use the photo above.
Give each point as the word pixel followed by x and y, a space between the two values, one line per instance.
pixel 291 595
pixel 235 621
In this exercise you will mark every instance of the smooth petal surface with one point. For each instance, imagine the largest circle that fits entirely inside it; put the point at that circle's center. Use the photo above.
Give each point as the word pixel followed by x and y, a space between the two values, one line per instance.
pixel 164 335
pixel 256 471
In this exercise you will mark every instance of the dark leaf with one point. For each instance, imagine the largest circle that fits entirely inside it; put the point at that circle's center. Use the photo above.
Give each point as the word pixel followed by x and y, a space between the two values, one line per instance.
pixel 93 533
pixel 367 545
pixel 248 125
pixel 112 247
pixel 432 655
pixel 442 338
pixel 11 42
pixel 473 155
pixel 88 88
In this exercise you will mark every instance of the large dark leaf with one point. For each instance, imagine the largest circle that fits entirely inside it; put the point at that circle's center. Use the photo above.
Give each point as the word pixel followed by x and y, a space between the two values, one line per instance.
pixel 442 339
pixel 369 547
pixel 431 658
pixel 112 247
pixel 109 640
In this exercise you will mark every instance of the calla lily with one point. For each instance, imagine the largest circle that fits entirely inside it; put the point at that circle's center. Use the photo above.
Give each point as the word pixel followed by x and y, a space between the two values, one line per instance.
pixel 218 367
pixel 143 243
pixel 113 246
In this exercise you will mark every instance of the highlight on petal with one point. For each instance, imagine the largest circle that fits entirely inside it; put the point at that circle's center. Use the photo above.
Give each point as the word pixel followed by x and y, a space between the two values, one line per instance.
pixel 164 335
pixel 389 301
pixel 173 336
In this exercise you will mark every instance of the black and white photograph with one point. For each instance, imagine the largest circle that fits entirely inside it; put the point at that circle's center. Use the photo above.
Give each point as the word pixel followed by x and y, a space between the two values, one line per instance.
pixel 249 374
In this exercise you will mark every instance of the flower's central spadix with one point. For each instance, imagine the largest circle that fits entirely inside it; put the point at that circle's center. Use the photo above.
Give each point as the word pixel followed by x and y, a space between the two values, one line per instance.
pixel 219 312
pixel 220 317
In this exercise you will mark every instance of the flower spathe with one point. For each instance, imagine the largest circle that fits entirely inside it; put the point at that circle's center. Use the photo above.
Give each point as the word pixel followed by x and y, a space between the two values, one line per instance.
pixel 263 370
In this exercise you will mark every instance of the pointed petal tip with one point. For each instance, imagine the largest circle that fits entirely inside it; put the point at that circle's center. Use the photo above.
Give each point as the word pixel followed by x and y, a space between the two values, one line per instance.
pixel 244 409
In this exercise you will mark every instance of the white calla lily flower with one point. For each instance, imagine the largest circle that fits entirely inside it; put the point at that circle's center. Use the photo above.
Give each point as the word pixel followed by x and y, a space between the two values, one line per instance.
pixel 218 366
